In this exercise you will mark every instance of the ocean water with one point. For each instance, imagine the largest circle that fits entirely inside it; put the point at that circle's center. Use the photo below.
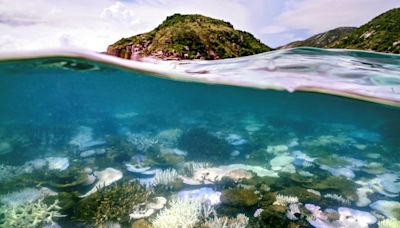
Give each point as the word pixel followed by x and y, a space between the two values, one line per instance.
pixel 259 141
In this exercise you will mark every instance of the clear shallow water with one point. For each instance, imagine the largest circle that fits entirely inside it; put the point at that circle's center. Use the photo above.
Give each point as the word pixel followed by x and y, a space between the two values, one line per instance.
pixel 70 124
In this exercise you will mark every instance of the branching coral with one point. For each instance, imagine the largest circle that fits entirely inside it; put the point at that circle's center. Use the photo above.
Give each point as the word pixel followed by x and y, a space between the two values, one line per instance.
pixel 240 221
pixel 112 203
pixel 338 198
pixel 285 200
pixel 389 223
pixel 165 177
pixel 181 213
pixel 29 214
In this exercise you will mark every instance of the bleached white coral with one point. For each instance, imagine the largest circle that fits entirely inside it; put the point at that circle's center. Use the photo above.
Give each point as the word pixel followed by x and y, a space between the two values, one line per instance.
pixel 181 213
pixel 8 173
pixel 337 197
pixel 389 223
pixel 293 211
pixel 141 141
pixel 285 200
pixel 240 221
pixel 29 215
pixel 26 195
pixel 190 167
pixel 315 192
pixel 165 177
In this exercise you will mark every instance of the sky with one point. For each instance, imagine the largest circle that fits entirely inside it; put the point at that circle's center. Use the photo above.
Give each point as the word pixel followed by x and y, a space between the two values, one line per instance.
pixel 94 24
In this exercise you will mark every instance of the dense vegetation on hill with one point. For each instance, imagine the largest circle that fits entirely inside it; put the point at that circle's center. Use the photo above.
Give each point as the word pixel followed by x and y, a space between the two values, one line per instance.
pixel 380 34
pixel 189 37
pixel 323 39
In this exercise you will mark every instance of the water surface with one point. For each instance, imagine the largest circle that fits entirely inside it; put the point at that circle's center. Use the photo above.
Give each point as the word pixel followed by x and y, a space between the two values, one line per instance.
pixel 66 117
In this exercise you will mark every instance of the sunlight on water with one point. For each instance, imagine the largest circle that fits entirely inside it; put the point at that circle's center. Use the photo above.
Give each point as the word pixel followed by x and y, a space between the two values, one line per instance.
pixel 84 143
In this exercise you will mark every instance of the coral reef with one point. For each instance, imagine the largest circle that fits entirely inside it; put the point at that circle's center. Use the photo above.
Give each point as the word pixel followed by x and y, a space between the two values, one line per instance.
pixel 389 223
pixel 390 209
pixel 282 200
pixel 112 203
pixel 236 172
pixel 142 142
pixel 104 178
pixel 180 213
pixel 241 221
pixel 58 163
pixel 29 215
pixel 25 196
pixel 145 210
pixel 203 146
pixel 338 198
pixel 204 195
pixel 239 197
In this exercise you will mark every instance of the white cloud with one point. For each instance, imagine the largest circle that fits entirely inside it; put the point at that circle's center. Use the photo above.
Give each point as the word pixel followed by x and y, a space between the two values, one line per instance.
pixel 320 15
pixel 272 29
pixel 41 24
pixel 119 15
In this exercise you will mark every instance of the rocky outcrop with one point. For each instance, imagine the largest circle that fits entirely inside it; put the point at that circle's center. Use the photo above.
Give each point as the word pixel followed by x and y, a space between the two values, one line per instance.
pixel 189 37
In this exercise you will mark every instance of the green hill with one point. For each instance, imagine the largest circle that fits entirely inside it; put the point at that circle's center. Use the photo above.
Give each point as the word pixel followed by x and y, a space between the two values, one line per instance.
pixel 323 39
pixel 380 34
pixel 189 37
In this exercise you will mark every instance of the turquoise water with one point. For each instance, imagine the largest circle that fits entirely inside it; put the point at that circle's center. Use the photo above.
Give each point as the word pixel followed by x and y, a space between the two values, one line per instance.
pixel 66 121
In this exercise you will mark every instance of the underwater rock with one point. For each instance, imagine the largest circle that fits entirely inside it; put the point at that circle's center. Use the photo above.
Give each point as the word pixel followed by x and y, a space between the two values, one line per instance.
pixel 105 178
pixel 239 197
pixel 204 194
pixel 58 163
pixel 390 209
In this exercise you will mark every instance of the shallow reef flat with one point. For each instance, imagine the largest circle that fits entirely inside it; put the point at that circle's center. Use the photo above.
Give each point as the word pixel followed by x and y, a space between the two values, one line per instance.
pixel 115 148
